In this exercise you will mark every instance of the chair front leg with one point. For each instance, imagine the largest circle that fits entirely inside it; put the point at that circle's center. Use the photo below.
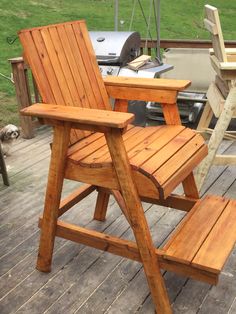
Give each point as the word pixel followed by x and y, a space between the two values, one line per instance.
pixel 53 196
pixel 138 221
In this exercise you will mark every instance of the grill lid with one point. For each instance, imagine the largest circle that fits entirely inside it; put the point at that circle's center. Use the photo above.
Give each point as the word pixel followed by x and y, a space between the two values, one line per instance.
pixel 115 47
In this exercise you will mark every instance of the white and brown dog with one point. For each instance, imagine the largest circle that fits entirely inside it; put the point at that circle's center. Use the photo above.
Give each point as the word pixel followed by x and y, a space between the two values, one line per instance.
pixel 7 136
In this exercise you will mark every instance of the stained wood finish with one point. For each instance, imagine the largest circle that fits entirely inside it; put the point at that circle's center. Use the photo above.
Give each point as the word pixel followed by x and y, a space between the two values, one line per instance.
pixel 53 196
pixel 68 71
pixel 74 198
pixel 101 206
pixel 153 152
pixel 134 162
pixel 80 115
pixel 138 221
pixel 128 249
pixel 206 236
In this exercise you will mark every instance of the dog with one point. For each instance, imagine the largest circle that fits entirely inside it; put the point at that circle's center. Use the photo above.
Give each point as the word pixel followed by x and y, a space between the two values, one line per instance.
pixel 8 135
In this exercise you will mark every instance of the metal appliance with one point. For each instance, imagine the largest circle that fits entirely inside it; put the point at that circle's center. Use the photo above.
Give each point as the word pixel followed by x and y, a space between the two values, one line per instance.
pixel 115 49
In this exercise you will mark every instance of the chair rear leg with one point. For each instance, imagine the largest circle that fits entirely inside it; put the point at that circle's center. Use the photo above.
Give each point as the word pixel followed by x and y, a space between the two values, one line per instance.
pixel 53 196
pixel 101 205
pixel 190 186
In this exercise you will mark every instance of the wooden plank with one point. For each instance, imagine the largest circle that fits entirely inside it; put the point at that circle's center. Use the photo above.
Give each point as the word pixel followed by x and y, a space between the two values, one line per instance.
pixel 211 27
pixel 101 205
pixel 179 159
pixel 146 83
pixel 138 221
pixel 78 68
pixel 217 39
pixel 171 114
pixel 167 149
pixel 90 61
pixel 31 53
pixel 80 115
pixel 224 160
pixel 143 156
pixel 131 140
pixel 190 235
pixel 74 198
pixel 96 152
pixel 53 196
pixel 216 100
pixel 219 243
pixel 68 66
pixel 136 93
pixel 23 97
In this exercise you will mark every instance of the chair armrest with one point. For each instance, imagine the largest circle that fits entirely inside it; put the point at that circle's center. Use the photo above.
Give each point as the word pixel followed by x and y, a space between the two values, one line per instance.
pixel 78 115
pixel 147 89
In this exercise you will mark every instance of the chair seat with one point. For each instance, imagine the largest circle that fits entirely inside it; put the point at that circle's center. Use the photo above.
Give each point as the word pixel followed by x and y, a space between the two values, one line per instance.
pixel 160 157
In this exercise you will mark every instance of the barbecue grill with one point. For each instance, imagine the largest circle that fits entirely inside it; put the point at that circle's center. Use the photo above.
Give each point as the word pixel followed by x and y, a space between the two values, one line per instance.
pixel 115 49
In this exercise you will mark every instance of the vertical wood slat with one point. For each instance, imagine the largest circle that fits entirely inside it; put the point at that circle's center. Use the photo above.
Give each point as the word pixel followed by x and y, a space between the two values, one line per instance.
pixel 217 40
pixel 57 71
pixel 53 72
pixel 72 64
pixel 31 54
pixel 92 58
pixel 65 67
pixel 68 76
pixel 22 95
pixel 53 84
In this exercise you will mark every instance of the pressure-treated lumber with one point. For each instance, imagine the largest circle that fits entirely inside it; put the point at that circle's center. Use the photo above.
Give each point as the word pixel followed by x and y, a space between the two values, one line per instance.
pixel 221 97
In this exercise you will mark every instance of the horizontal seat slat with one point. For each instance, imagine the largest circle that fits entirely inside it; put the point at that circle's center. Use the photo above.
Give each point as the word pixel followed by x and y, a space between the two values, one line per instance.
pixel 188 239
pixel 148 149
pixel 219 243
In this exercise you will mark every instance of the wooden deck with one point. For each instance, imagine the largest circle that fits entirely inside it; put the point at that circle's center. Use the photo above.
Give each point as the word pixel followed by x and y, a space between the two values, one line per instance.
pixel 85 280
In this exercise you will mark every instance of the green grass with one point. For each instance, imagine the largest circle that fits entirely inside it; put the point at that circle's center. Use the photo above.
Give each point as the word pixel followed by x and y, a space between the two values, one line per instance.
pixel 179 19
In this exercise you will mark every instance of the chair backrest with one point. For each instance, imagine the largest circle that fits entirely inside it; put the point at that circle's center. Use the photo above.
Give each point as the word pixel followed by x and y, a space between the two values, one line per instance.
pixel 212 24
pixel 64 66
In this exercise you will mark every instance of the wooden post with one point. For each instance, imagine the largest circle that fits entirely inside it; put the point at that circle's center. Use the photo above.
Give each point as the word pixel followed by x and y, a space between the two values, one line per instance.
pixel 101 206
pixel 217 136
pixel 138 221
pixel 53 196
pixel 22 94
pixel 3 169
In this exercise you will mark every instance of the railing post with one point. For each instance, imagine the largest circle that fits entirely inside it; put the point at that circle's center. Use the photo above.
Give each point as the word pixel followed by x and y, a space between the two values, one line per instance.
pixel 20 77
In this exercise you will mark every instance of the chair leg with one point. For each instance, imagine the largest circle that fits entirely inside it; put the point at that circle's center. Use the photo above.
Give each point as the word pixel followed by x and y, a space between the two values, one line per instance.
pixel 206 118
pixel 190 186
pixel 217 136
pixel 53 196
pixel 138 222
pixel 101 206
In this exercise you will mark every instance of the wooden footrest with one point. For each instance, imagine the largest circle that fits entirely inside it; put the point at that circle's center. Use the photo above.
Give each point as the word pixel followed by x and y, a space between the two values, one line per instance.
pixel 206 236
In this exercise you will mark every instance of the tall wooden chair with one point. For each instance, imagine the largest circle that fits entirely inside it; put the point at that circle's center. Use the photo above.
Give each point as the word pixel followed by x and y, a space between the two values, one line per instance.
pixel 97 146
pixel 221 96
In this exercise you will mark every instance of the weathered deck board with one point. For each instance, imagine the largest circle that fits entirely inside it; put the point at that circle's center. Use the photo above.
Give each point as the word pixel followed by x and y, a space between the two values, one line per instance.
pixel 84 280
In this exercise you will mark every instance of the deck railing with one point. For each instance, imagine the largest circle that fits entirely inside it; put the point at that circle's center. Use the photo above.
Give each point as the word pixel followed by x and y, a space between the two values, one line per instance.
pixel 26 95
